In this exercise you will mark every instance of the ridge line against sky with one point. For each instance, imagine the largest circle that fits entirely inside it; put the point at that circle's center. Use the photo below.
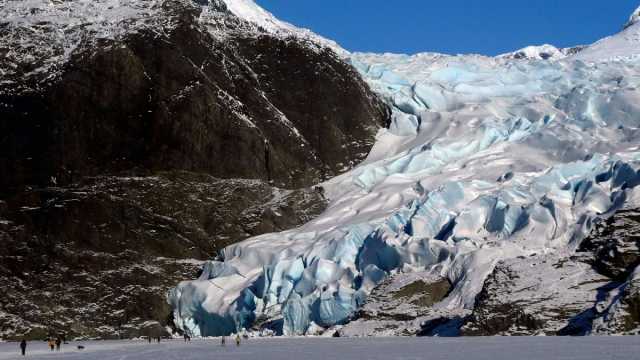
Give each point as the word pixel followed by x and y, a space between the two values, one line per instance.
pixel 489 27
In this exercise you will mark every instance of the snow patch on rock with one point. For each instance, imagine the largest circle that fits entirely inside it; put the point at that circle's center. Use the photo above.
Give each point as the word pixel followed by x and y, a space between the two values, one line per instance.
pixel 541 52
pixel 248 10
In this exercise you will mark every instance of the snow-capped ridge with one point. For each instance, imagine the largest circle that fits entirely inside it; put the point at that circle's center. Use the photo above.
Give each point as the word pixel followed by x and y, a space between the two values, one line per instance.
pixel 251 12
pixel 633 19
pixel 623 45
pixel 47 33
pixel 540 52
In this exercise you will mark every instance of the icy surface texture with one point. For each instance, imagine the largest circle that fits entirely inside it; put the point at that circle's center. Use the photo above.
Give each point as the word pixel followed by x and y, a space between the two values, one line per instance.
pixel 486 159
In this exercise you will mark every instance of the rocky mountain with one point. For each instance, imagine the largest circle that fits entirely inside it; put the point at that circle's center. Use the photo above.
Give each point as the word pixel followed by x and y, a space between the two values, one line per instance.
pixel 141 137
pixel 142 90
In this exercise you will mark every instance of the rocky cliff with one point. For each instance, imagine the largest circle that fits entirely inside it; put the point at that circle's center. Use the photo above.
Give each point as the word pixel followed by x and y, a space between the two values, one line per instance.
pixel 139 138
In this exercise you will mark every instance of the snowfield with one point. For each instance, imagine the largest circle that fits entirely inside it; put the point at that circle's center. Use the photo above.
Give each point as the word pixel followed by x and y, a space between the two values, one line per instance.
pixel 490 348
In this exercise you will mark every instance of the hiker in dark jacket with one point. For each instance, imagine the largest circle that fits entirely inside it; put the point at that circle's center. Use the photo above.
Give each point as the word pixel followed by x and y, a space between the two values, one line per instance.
pixel 58 342
pixel 23 346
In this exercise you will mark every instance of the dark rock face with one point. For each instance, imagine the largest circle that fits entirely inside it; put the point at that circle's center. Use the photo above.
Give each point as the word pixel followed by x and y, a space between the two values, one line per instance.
pixel 494 313
pixel 147 153
pixel 255 107
pixel 628 317
pixel 336 120
pixel 615 245
pixel 106 251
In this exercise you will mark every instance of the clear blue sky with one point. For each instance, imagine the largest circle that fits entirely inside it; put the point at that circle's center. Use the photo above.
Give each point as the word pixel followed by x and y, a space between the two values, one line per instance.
pixel 487 27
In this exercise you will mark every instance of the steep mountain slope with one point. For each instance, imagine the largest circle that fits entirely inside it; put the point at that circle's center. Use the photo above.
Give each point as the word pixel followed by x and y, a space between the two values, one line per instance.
pixel 97 100
pixel 621 46
pixel 105 251
pixel 493 170
pixel 141 137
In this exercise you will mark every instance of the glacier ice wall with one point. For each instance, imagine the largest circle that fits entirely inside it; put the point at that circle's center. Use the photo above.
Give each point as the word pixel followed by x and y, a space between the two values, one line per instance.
pixel 485 159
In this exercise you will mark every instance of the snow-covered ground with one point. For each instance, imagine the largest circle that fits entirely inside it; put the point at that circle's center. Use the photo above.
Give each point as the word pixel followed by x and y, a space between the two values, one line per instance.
pixel 490 348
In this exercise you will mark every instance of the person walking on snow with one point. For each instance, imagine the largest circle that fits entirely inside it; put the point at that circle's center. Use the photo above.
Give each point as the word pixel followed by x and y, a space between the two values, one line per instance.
pixel 237 339
pixel 58 342
pixel 52 344
pixel 223 341
pixel 23 346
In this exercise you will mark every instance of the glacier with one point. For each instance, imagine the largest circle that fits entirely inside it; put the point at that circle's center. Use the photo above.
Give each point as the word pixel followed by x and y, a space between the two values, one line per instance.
pixel 485 159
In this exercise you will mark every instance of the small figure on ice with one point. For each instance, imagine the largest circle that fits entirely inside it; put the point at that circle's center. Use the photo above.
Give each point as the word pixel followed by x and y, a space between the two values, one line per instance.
pixel 237 339
pixel 58 343
pixel 187 337
pixel 223 341
pixel 52 344
pixel 23 346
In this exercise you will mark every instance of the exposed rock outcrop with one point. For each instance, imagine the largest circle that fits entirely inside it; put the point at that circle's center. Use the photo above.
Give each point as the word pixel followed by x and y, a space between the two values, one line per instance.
pixel 594 291
pixel 245 105
pixel 138 141
pixel 400 306
pixel 96 259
